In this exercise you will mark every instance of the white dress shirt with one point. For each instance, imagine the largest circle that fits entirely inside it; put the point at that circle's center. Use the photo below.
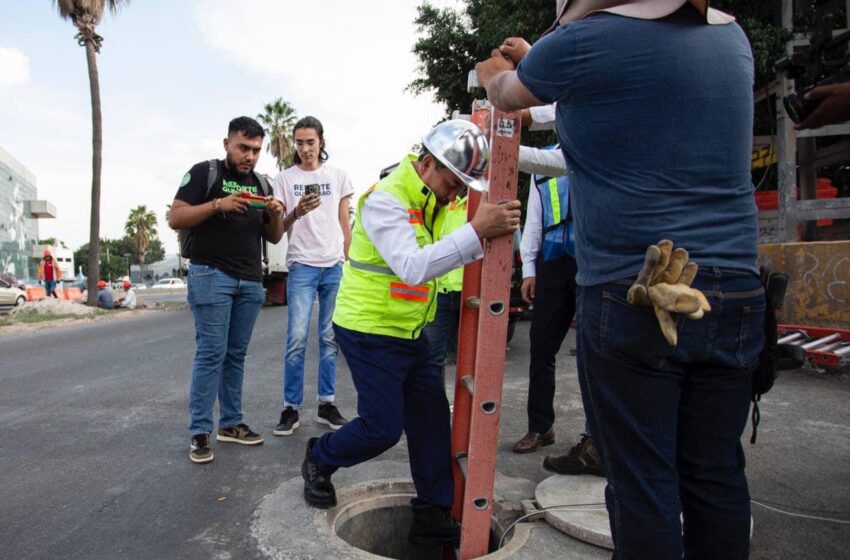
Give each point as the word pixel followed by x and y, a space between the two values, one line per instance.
pixel 386 222
pixel 542 117
pixel 535 161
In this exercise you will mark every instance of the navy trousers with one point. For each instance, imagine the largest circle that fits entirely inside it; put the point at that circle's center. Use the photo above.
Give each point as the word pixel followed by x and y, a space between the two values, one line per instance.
pixel 668 420
pixel 399 388
pixel 554 307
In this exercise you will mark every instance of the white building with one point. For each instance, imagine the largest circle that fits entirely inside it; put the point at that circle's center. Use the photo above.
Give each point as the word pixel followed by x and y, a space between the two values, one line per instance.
pixel 19 214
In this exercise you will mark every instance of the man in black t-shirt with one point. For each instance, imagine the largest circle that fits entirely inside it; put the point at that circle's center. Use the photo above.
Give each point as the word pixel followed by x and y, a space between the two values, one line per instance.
pixel 225 279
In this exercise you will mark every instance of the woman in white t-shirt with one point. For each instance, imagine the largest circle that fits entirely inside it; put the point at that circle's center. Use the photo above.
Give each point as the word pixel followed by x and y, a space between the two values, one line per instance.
pixel 316 196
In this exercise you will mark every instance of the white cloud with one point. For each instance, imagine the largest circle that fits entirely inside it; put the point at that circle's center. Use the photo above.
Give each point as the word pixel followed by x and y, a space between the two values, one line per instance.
pixel 346 63
pixel 14 67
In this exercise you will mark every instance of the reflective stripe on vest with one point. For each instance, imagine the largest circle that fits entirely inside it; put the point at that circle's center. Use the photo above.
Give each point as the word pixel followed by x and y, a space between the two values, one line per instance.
pixel 412 293
pixel 558 234
pixel 554 199
pixel 415 216
pixel 371 267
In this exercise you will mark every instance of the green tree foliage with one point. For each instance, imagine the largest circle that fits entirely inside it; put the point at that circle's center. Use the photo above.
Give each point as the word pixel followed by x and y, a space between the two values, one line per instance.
pixel 278 118
pixel 451 42
pixel 86 15
pixel 113 256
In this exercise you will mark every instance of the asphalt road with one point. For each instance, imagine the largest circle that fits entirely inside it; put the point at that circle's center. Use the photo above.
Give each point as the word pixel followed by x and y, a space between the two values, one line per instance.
pixel 94 446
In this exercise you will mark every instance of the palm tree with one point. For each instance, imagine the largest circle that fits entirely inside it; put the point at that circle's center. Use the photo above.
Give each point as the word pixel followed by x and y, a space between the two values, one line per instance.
pixel 278 119
pixel 85 15
pixel 141 227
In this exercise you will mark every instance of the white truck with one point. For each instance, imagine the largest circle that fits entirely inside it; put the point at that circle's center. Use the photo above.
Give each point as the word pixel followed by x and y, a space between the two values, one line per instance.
pixel 275 271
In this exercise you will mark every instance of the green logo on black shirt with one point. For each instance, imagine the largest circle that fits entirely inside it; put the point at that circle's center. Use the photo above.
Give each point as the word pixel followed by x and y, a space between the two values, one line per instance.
pixel 186 178
pixel 232 187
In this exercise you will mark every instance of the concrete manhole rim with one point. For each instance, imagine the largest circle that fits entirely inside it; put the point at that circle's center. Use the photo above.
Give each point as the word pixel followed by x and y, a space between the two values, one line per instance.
pixel 356 499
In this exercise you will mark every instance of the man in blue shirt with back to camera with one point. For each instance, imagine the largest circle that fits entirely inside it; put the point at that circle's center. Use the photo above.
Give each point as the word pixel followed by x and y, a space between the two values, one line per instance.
pixel 654 117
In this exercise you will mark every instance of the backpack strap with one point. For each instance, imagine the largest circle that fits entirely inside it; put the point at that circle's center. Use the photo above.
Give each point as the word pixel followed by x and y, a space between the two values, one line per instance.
pixel 212 177
pixel 266 190
pixel 264 183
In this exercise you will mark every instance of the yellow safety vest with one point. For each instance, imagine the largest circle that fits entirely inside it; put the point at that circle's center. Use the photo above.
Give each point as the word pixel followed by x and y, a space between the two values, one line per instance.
pixel 371 297
pixel 448 221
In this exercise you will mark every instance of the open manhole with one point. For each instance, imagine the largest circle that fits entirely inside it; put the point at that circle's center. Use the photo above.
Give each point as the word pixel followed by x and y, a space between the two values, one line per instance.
pixel 375 518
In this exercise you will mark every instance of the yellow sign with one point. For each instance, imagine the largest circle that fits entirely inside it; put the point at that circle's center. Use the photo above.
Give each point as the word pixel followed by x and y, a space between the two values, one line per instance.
pixel 763 156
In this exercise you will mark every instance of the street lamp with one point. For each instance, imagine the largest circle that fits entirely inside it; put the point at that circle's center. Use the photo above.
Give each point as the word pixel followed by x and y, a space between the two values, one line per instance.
pixel 129 270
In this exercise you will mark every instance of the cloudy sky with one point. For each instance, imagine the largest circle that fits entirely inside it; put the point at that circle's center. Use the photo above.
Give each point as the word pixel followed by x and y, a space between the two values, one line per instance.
pixel 172 74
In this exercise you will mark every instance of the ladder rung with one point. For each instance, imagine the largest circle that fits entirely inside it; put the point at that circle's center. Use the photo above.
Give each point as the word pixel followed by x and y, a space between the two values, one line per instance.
pixel 473 302
pixel 468 383
pixel 831 347
pixel 791 338
pixel 815 343
pixel 462 461
pixel 842 351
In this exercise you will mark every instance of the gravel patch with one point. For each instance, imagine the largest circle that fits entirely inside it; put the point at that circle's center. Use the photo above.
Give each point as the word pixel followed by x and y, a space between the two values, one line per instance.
pixel 51 306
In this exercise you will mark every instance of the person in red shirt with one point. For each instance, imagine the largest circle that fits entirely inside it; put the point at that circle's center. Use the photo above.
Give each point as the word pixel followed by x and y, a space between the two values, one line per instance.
pixel 49 273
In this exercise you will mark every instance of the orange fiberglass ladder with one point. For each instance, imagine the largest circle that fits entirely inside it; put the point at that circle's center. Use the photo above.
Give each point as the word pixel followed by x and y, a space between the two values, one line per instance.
pixel 481 345
pixel 824 346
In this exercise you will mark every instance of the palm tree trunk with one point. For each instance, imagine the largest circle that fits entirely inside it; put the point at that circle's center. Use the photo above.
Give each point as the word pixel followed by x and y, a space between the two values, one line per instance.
pixel 96 164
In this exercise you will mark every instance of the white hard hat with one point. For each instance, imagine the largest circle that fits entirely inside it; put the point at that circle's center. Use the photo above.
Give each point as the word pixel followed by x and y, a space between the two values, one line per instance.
pixel 462 147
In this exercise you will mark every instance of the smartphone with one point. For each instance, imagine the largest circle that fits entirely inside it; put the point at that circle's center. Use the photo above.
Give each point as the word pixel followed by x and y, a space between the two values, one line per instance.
pixel 311 189
pixel 254 200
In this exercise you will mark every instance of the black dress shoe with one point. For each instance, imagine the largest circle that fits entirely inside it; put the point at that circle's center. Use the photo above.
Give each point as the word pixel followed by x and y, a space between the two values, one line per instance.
pixel 532 441
pixel 319 492
pixel 433 526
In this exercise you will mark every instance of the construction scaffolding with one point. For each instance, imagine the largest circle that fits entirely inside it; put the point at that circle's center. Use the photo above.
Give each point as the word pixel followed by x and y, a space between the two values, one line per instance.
pixel 797 151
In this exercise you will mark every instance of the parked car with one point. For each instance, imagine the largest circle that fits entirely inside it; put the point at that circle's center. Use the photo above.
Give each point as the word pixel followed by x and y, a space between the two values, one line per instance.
pixel 11 295
pixel 170 284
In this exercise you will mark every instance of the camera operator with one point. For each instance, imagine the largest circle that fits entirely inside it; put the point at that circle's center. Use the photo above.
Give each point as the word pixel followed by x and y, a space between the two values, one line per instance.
pixel 834 106
pixel 654 117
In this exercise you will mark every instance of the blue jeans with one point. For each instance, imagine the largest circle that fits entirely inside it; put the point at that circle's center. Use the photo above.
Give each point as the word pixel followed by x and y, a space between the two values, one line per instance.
pixel 302 286
pixel 443 329
pixel 398 388
pixel 225 310
pixel 668 420
pixel 50 288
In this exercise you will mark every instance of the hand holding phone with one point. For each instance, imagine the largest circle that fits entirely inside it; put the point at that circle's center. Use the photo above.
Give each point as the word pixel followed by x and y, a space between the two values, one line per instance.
pixel 254 200
pixel 311 189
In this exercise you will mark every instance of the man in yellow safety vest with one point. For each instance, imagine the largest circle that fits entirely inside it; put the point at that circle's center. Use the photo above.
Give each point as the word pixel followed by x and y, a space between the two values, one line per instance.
pixel 386 297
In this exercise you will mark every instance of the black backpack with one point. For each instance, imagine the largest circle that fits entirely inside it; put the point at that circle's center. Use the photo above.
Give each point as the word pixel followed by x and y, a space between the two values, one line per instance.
pixel 185 235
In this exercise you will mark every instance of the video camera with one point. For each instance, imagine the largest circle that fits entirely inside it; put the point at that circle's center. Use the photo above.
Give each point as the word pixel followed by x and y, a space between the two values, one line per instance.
pixel 824 62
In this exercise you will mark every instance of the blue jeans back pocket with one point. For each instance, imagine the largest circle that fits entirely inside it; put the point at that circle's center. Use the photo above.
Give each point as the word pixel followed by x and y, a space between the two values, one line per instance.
pixel 631 332
pixel 751 340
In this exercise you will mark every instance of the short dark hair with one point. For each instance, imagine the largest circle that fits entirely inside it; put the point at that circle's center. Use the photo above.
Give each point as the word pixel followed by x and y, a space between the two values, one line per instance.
pixel 315 124
pixel 426 152
pixel 247 126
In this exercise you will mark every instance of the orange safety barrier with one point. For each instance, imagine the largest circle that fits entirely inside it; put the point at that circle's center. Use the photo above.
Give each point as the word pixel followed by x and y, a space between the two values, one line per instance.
pixel 35 293
pixel 71 293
